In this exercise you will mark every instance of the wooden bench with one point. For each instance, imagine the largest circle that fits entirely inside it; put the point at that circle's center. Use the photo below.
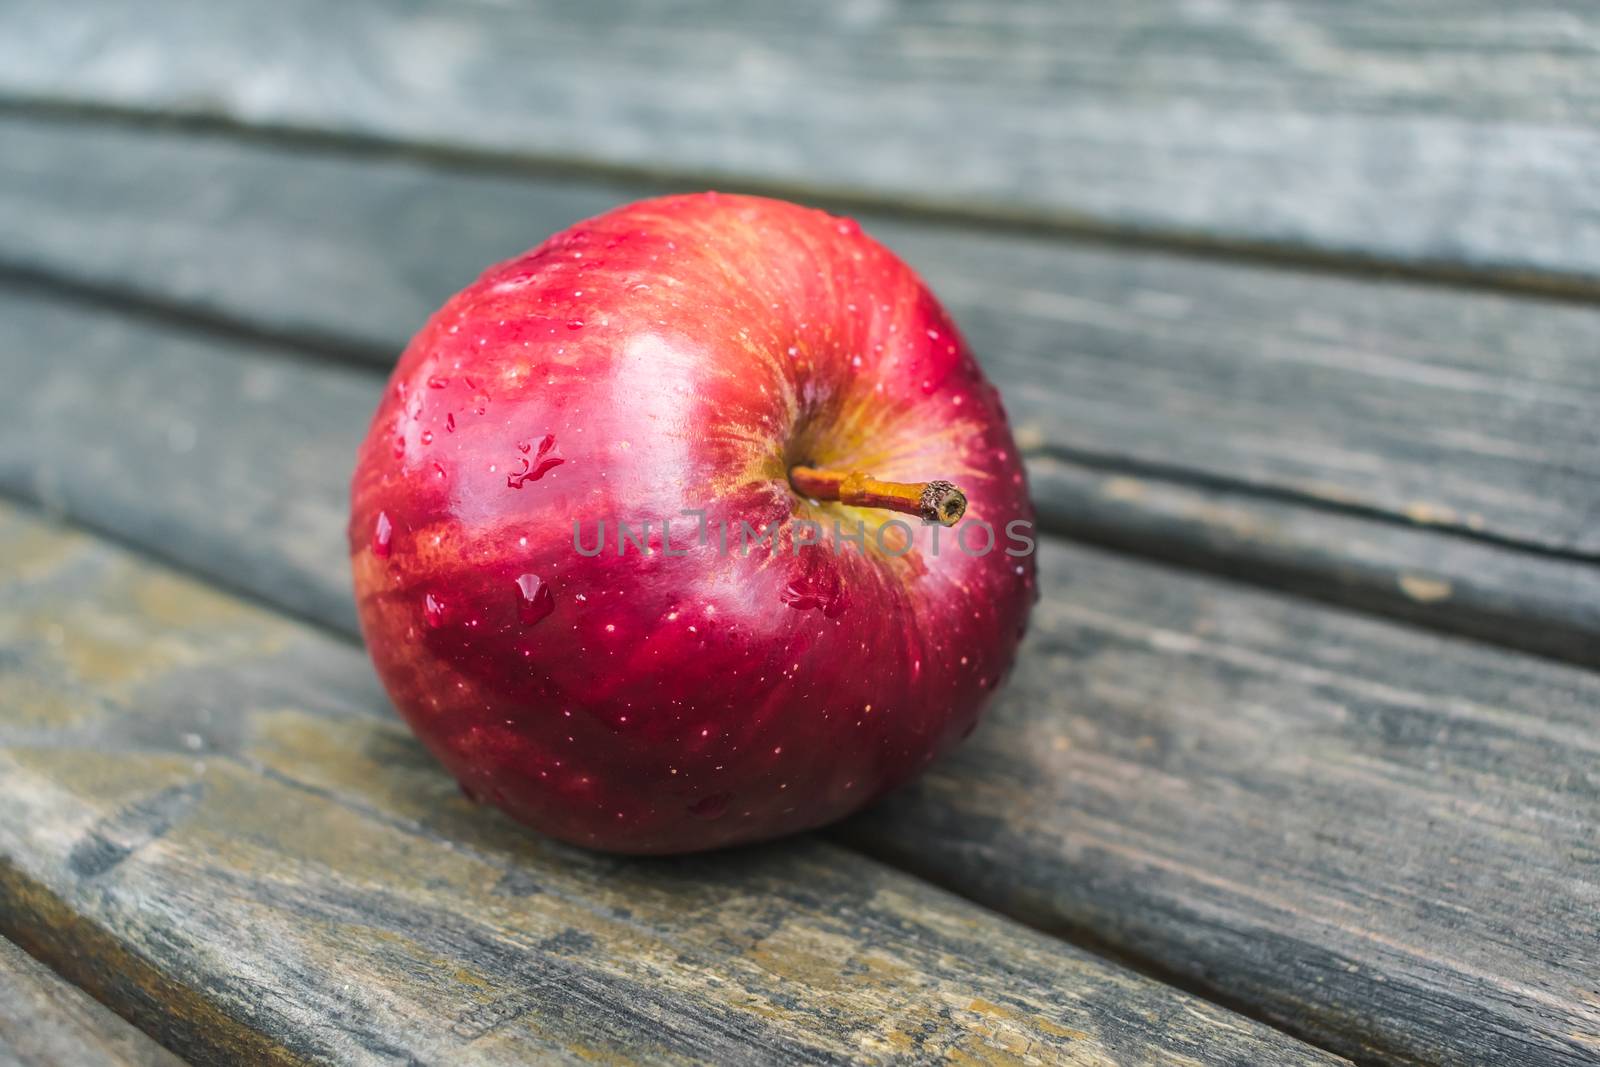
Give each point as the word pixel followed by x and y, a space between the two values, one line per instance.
pixel 1296 317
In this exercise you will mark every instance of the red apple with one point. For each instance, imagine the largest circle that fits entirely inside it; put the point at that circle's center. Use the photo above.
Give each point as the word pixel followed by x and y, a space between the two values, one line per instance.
pixel 683 355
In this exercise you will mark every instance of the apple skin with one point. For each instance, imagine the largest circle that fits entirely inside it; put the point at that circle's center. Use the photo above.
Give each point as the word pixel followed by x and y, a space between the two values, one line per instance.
pixel 683 353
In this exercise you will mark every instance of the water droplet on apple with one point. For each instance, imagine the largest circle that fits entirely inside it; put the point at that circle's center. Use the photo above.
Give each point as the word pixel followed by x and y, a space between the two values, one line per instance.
pixel 574 324
pixel 711 806
pixel 433 611
pixel 532 472
pixel 535 601
pixel 449 422
pixel 427 437
pixel 437 382
pixel 847 227
pixel 546 443
pixel 382 530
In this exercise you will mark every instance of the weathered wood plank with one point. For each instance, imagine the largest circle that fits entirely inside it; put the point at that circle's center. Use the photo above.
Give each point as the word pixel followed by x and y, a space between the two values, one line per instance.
pixel 1232 394
pixel 355 250
pixel 1368 834
pixel 213 823
pixel 1461 134
pixel 46 1022
pixel 1459 585
pixel 163 438
pixel 1383 839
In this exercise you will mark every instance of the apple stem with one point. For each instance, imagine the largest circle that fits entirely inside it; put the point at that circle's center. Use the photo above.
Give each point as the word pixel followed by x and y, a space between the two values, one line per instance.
pixel 935 501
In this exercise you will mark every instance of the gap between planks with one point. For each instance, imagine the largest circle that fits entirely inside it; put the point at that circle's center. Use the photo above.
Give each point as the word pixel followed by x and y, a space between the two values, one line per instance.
pixel 1082 229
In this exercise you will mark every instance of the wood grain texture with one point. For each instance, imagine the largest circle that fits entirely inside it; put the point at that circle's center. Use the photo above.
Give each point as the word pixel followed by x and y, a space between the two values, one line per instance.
pixel 1370 835
pixel 47 1022
pixel 213 822
pixel 188 443
pixel 1383 839
pixel 1459 134
pixel 1458 585
pixel 1232 395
